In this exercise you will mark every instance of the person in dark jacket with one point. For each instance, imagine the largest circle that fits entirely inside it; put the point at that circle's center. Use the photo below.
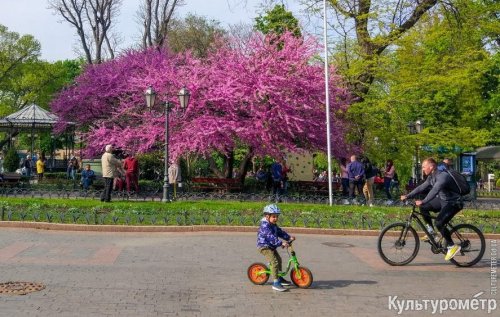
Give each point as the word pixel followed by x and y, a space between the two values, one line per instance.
pixel 443 197
pixel 268 240
pixel 28 165
pixel 356 174
pixel 277 175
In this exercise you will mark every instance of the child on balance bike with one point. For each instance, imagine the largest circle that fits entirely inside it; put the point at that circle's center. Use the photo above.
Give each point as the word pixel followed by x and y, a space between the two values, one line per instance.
pixel 268 241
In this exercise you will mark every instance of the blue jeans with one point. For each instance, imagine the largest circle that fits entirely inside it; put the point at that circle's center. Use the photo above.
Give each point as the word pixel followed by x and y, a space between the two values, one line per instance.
pixel 387 187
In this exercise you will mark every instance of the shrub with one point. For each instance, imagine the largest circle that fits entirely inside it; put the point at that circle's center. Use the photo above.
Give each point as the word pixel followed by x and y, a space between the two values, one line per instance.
pixel 11 161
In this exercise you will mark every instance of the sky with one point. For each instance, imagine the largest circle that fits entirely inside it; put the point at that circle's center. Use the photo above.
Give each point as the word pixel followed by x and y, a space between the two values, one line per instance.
pixel 58 39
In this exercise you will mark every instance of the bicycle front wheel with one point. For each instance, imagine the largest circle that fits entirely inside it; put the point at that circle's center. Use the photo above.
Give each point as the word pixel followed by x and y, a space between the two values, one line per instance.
pixel 472 243
pixel 398 244
pixel 302 277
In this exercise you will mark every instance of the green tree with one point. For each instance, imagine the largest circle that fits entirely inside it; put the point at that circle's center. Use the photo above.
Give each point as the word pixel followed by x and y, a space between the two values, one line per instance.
pixel 194 33
pixel 15 52
pixel 278 21
pixel 366 29
pixel 11 161
pixel 444 71
pixel 25 79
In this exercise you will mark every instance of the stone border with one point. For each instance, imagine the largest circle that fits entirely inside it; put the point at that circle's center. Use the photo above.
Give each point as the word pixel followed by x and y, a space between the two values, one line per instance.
pixel 198 228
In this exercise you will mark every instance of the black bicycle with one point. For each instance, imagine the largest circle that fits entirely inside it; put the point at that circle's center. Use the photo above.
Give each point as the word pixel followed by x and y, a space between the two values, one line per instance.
pixel 398 243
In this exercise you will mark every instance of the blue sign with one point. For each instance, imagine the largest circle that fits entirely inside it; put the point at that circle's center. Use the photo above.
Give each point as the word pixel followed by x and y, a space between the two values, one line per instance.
pixel 467 164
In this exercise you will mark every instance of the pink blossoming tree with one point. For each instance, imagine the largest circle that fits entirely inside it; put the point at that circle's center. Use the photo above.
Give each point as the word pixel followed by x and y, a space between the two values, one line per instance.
pixel 266 95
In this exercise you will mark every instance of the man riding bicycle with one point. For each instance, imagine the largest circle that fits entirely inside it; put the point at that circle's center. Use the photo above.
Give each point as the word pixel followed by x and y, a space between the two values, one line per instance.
pixel 443 197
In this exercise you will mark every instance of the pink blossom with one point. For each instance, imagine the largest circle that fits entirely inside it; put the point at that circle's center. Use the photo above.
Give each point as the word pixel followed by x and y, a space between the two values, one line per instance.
pixel 266 97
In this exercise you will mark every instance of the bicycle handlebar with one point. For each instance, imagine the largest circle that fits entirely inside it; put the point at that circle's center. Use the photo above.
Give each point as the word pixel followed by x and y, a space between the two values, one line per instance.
pixel 410 201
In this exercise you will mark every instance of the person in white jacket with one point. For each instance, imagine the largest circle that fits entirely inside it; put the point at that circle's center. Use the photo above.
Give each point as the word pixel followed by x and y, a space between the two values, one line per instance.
pixel 111 166
pixel 174 177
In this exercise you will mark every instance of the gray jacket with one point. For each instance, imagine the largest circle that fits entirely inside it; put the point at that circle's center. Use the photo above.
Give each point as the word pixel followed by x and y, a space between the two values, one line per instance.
pixel 440 184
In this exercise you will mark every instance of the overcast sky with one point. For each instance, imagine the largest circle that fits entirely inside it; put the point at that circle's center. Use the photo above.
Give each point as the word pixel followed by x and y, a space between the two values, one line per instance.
pixel 58 39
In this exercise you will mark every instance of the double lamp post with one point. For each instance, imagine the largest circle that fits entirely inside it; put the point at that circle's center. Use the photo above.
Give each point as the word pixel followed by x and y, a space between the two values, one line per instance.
pixel 183 95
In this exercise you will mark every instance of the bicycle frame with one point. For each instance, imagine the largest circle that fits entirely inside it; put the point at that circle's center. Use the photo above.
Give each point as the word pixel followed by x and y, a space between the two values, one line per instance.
pixel 415 216
pixel 292 260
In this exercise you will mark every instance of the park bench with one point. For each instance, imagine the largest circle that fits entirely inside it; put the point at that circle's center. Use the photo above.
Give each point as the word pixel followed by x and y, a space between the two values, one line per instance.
pixel 216 184
pixel 10 179
pixel 312 187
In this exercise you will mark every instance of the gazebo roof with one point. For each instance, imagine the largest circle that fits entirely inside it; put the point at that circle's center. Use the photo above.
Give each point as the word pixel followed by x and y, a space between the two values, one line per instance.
pixel 31 116
pixel 488 153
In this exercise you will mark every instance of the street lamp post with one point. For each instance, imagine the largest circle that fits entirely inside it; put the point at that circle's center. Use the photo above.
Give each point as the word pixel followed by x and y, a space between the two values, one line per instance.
pixel 416 128
pixel 183 102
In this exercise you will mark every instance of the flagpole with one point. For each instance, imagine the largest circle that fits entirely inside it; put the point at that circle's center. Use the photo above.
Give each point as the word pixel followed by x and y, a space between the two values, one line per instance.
pixel 327 110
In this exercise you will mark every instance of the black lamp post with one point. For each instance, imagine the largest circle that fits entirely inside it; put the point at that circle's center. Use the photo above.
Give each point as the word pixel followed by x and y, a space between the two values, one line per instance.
pixel 183 95
pixel 416 128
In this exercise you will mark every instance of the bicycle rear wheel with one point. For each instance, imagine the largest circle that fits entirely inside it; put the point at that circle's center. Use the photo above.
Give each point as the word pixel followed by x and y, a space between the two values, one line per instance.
pixel 257 273
pixel 302 277
pixel 398 244
pixel 472 243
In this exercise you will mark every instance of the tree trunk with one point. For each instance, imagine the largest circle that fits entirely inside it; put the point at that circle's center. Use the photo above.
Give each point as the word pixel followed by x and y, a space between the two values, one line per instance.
pixel 156 16
pixel 361 11
pixel 214 168
pixel 229 165
pixel 92 20
pixel 244 166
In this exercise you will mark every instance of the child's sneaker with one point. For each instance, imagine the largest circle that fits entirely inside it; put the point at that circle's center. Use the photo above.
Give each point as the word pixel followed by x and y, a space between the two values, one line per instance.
pixel 284 282
pixel 278 287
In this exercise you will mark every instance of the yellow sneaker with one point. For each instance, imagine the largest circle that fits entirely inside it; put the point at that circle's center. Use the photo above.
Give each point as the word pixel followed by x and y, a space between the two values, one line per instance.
pixel 452 251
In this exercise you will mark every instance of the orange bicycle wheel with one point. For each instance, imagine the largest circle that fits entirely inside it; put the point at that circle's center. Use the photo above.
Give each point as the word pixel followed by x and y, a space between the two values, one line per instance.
pixel 258 273
pixel 302 277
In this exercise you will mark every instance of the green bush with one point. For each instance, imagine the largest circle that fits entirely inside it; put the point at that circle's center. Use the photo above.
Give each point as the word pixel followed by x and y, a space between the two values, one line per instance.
pixel 11 161
pixel 88 211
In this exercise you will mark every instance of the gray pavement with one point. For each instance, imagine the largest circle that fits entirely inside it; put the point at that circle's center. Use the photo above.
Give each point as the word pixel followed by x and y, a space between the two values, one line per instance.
pixel 204 274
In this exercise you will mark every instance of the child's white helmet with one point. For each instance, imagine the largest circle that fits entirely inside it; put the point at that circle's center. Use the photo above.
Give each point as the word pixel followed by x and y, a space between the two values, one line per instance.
pixel 272 209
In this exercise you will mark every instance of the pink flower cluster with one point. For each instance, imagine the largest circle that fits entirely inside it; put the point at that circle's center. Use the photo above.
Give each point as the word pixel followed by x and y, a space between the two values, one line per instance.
pixel 267 94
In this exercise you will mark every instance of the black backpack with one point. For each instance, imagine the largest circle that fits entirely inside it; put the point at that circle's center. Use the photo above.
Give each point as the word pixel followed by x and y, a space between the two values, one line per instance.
pixel 460 181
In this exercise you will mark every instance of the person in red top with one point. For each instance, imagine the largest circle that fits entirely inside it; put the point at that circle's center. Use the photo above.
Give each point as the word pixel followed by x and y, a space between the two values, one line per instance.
pixel 131 167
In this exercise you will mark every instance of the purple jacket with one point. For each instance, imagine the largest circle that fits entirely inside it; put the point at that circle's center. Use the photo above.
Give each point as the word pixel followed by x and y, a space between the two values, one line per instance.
pixel 268 235
pixel 355 169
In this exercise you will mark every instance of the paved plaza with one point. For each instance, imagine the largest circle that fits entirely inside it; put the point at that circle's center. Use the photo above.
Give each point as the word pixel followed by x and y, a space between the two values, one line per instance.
pixel 204 274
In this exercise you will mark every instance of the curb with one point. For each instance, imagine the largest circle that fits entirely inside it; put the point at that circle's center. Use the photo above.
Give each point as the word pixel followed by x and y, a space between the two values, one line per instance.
pixel 199 228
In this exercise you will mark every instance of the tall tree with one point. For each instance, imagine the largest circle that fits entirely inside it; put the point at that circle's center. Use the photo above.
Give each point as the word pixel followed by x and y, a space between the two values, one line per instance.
pixel 156 16
pixel 15 50
pixel 372 26
pixel 445 72
pixel 195 34
pixel 278 21
pixel 250 95
pixel 93 22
